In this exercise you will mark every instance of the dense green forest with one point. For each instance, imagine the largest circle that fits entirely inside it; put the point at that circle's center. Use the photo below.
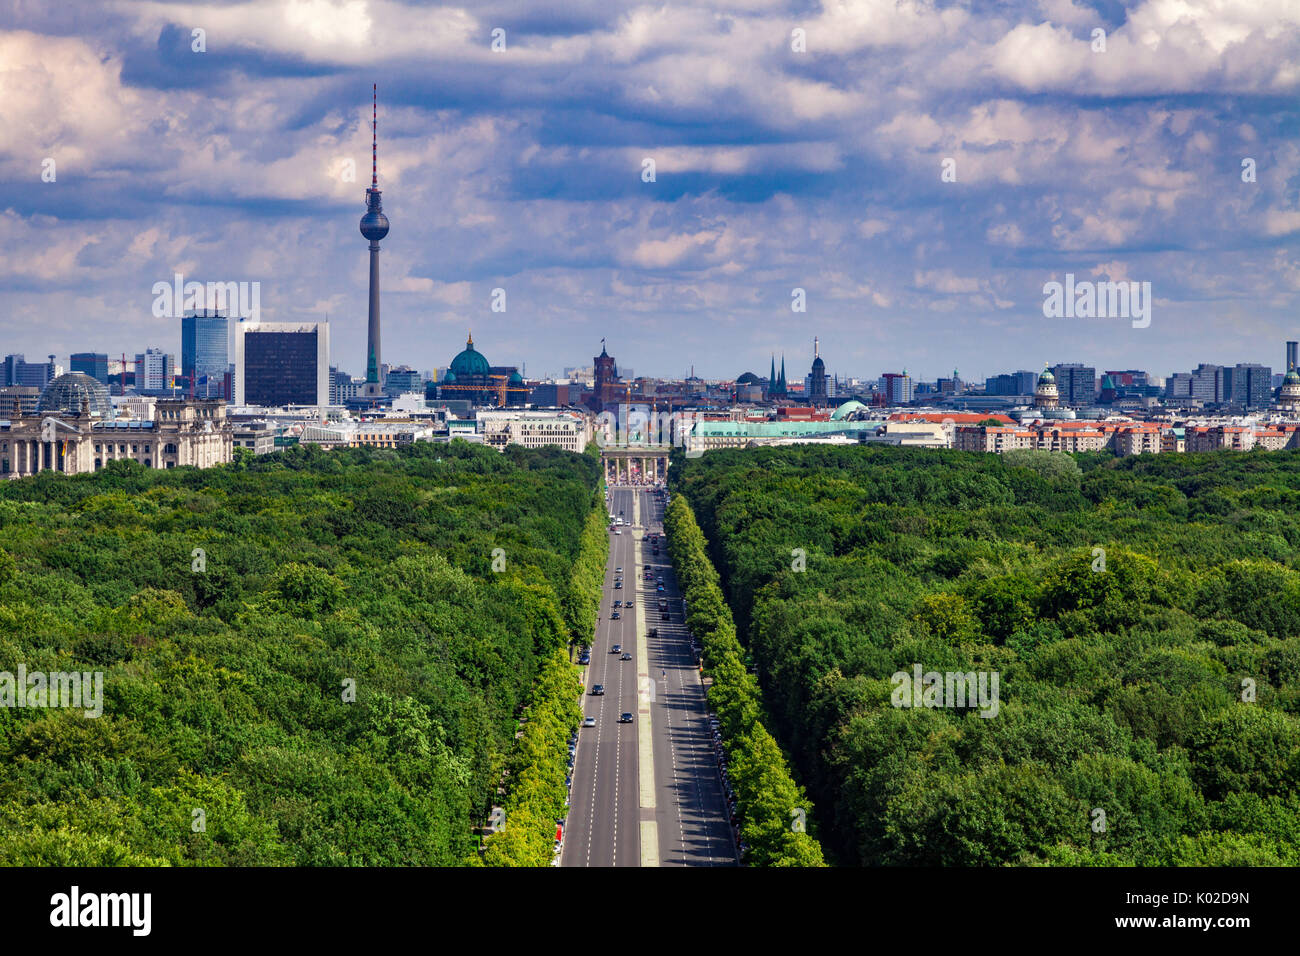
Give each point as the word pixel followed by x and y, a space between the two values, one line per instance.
pixel 1142 615
pixel 334 676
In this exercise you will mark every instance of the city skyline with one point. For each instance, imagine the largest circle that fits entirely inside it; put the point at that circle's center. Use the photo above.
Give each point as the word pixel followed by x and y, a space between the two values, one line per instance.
pixel 812 157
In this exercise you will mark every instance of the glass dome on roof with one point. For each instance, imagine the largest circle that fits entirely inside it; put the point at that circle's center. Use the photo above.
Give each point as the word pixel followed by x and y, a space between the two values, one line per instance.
pixel 69 392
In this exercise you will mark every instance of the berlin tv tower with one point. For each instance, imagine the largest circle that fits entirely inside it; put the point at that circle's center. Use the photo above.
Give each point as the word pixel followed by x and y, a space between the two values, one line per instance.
pixel 374 226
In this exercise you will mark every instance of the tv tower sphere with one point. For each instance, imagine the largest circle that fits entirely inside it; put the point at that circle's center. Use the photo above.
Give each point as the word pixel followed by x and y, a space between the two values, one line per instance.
pixel 374 224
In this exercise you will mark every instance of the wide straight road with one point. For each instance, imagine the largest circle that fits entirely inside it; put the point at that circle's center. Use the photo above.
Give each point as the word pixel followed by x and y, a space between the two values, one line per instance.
pixel 691 810
pixel 604 812
pixel 645 793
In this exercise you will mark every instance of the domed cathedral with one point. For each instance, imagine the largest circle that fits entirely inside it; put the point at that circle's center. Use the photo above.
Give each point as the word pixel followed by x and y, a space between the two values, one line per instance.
pixel 1045 393
pixel 1288 396
pixel 472 378
pixel 748 388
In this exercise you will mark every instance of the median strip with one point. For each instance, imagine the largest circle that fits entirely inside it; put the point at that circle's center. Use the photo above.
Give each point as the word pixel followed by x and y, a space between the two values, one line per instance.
pixel 645 695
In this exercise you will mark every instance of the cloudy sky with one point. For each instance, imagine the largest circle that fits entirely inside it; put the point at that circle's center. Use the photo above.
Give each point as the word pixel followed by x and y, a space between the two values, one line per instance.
pixel 797 144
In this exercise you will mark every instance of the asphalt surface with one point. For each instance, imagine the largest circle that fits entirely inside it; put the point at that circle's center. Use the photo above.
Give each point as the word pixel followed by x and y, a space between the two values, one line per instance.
pixel 645 793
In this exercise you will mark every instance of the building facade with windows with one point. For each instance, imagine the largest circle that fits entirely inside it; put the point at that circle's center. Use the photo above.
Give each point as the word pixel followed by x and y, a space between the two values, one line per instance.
pixel 205 352
pixel 282 363
pixel 94 364
pixel 569 431
pixel 180 433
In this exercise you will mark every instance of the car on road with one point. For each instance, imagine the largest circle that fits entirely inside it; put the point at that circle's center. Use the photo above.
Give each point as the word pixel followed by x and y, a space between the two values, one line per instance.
pixel 659 587
pixel 625 718
pixel 597 690
pixel 619 584
pixel 615 616
pixel 618 570
pixel 584 659
pixel 589 722
pixel 616 531
pixel 627 603
pixel 626 656
pixel 616 649
pixel 618 604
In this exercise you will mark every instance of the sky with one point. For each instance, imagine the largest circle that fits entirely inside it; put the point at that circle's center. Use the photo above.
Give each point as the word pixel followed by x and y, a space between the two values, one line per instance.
pixel 920 170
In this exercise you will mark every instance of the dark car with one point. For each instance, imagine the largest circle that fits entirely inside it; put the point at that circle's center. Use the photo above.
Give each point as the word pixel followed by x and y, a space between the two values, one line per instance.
pixel 626 656
pixel 615 616
pixel 619 584
pixel 658 587
pixel 584 659
pixel 618 604
pixel 625 718
pixel 616 649
pixel 597 690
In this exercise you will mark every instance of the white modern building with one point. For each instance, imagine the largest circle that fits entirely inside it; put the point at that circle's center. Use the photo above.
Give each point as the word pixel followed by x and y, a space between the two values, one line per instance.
pixel 534 429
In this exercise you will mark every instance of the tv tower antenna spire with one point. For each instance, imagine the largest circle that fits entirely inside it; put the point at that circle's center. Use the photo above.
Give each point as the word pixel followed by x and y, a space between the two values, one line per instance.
pixel 374 226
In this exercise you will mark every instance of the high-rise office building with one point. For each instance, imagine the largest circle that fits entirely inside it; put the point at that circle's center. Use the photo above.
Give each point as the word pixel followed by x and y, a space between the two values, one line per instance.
pixel 343 387
pixel 398 381
pixel 1252 385
pixel 1208 384
pixel 9 369
pixel 1013 383
pixel 205 352
pixel 282 363
pixel 897 387
pixel 16 370
pixel 1075 383
pixel 94 364
pixel 155 371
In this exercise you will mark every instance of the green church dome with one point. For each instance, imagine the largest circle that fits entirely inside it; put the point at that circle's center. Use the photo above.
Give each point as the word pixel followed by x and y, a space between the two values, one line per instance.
pixel 469 362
